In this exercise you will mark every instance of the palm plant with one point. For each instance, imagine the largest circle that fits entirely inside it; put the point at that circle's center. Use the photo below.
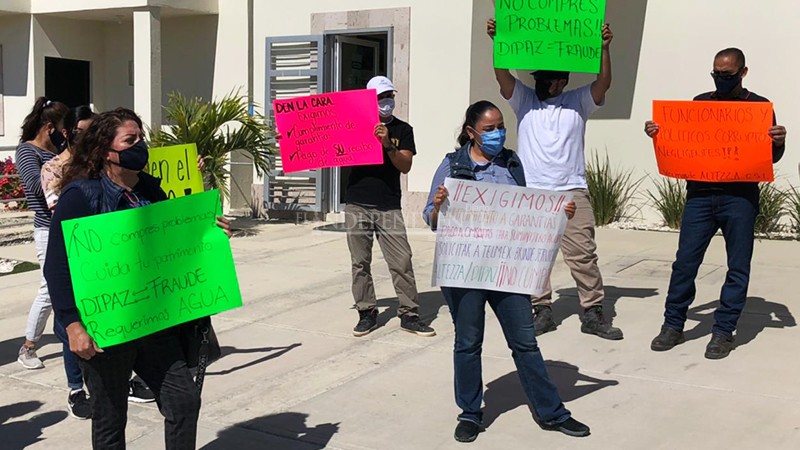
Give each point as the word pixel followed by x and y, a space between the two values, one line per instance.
pixel 218 128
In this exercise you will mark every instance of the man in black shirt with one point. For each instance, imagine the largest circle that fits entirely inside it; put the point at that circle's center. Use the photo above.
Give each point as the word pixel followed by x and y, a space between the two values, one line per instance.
pixel 731 207
pixel 373 209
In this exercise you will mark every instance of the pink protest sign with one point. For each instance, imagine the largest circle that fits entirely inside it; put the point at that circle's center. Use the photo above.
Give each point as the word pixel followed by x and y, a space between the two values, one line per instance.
pixel 328 130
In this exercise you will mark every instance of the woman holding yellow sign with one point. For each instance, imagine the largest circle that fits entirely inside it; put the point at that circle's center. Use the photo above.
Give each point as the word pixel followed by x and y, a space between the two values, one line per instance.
pixel 106 175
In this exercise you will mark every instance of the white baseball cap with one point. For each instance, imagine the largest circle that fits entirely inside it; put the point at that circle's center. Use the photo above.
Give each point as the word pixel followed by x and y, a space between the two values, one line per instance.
pixel 381 84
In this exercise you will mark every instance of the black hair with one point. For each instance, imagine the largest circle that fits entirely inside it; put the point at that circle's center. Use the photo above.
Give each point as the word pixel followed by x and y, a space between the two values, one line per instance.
pixel 733 52
pixel 72 118
pixel 550 75
pixel 44 111
pixel 474 113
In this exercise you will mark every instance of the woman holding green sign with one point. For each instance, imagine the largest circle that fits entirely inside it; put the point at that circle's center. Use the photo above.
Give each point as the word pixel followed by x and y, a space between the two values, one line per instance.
pixel 106 175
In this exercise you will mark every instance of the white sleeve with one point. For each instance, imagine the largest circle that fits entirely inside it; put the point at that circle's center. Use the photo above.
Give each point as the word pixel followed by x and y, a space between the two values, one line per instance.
pixel 588 106
pixel 522 100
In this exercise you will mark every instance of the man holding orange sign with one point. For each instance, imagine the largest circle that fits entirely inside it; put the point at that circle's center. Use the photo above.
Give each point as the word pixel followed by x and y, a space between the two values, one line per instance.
pixel 722 191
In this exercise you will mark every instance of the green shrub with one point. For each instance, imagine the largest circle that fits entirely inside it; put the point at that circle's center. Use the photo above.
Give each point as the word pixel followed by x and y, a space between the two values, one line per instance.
pixel 772 209
pixel 669 199
pixel 793 208
pixel 611 190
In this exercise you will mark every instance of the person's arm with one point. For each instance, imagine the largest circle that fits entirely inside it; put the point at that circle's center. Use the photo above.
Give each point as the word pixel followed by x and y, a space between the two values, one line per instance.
pixel 503 76
pixel 48 180
pixel 401 156
pixel 603 82
pixel 30 170
pixel 435 199
pixel 71 205
pixel 778 134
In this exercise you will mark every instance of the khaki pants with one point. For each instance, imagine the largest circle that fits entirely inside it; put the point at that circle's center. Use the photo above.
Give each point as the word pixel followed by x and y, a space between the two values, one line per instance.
pixel 579 250
pixel 390 229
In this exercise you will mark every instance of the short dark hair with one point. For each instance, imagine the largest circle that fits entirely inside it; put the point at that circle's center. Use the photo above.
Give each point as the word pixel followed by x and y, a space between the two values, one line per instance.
pixel 74 116
pixel 734 53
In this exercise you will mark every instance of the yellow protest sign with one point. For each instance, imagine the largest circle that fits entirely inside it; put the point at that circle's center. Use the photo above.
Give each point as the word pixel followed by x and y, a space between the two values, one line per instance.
pixel 176 165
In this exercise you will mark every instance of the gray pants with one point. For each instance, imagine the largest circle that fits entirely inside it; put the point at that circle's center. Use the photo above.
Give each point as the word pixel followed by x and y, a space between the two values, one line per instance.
pixel 364 223
pixel 579 249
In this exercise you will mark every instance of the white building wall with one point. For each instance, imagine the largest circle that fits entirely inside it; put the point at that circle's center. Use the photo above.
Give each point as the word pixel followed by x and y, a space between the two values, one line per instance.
pixel 71 39
pixel 15 37
pixel 439 65
pixel 118 38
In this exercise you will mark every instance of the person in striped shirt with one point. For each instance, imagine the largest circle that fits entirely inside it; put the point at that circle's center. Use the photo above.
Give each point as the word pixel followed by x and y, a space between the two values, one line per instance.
pixel 43 137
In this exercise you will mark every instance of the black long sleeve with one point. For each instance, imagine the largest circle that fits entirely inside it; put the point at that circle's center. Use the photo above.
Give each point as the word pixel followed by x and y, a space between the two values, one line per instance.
pixel 72 204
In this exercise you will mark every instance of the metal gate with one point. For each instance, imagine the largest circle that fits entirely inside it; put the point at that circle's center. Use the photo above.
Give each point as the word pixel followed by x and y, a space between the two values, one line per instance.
pixel 294 68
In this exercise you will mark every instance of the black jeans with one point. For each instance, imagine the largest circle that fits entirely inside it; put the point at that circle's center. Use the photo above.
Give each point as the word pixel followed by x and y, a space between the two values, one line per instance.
pixel 158 359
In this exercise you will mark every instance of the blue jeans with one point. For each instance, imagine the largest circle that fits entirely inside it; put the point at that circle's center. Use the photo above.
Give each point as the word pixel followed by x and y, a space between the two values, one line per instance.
pixel 513 311
pixel 74 373
pixel 703 216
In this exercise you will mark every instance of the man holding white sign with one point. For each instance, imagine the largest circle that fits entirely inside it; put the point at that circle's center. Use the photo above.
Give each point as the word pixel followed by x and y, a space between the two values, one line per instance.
pixel 478 258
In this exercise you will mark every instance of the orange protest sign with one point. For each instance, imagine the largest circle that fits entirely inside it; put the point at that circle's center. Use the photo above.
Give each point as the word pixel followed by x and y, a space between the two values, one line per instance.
pixel 713 140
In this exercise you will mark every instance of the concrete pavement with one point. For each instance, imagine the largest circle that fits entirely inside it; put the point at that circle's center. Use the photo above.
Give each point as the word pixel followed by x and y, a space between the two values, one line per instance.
pixel 294 377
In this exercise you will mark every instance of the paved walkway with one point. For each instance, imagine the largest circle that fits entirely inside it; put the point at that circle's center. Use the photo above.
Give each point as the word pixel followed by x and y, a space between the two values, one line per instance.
pixel 293 376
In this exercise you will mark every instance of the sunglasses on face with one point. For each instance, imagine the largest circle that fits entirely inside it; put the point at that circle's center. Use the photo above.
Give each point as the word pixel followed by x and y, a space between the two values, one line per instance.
pixel 725 76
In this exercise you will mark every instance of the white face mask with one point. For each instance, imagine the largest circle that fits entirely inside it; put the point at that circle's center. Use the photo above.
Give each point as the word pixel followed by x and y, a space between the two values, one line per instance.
pixel 386 107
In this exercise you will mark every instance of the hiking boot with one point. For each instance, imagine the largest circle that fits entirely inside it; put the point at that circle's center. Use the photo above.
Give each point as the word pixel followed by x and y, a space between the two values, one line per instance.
pixel 719 347
pixel 667 339
pixel 138 392
pixel 367 321
pixel 466 431
pixel 78 405
pixel 412 324
pixel 594 323
pixel 570 427
pixel 543 319
pixel 28 358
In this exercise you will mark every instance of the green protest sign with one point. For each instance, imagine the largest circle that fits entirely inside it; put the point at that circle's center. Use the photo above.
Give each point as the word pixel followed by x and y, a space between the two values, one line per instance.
pixel 549 34
pixel 176 165
pixel 142 270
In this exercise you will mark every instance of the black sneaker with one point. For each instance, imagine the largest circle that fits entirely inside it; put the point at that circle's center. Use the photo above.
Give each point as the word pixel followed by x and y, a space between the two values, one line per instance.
pixel 667 339
pixel 719 347
pixel 570 427
pixel 594 323
pixel 466 431
pixel 543 319
pixel 138 392
pixel 367 322
pixel 412 324
pixel 78 405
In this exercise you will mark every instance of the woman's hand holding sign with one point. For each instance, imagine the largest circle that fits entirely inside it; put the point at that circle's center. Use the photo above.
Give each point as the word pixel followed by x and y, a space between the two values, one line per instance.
pixel 80 342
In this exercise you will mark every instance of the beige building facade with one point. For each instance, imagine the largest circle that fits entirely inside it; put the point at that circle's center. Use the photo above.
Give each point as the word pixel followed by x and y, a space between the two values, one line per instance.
pixel 135 52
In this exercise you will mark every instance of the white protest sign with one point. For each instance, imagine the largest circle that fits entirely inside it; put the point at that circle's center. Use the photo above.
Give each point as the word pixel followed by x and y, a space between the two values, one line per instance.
pixel 498 237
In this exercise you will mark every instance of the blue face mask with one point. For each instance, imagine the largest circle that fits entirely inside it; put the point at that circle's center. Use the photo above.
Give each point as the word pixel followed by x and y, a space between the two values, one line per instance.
pixel 492 141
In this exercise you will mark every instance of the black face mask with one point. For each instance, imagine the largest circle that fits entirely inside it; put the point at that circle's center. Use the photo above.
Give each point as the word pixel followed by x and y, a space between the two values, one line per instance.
pixel 726 86
pixel 134 157
pixel 543 89
pixel 58 140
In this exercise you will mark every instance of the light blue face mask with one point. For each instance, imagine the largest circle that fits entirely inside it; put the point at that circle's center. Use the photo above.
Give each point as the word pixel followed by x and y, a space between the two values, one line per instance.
pixel 492 142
